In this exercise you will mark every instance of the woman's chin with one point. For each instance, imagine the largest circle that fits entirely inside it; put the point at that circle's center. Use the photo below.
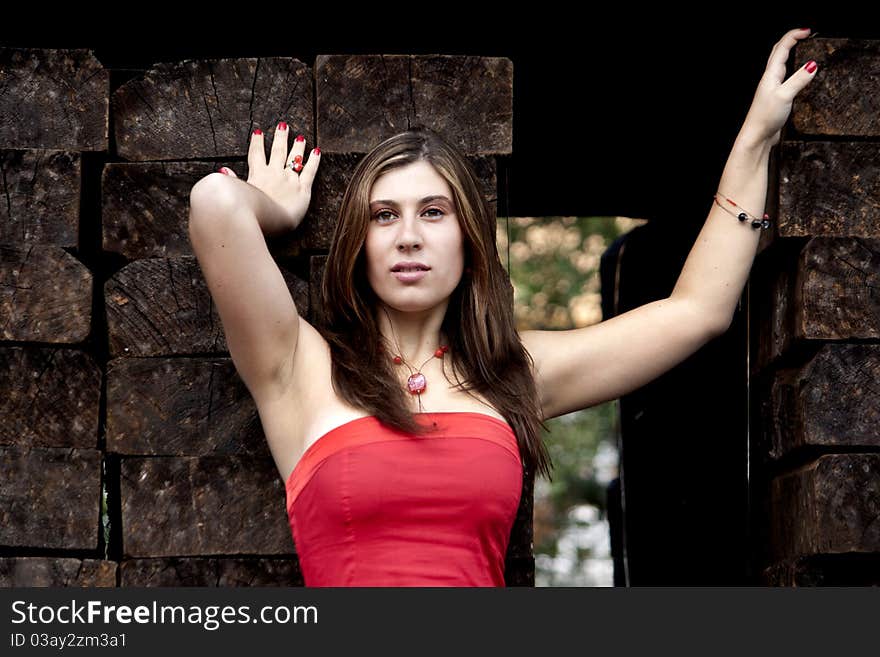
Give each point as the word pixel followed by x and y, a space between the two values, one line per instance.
pixel 412 301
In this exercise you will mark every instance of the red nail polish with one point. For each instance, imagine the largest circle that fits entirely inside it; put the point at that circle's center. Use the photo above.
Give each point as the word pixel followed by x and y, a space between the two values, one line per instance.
pixel 257 131
pixel 811 66
pixel 300 138
pixel 223 171
pixel 317 151
pixel 282 126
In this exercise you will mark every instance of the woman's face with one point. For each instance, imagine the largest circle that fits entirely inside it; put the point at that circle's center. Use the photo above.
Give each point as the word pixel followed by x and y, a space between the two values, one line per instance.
pixel 405 225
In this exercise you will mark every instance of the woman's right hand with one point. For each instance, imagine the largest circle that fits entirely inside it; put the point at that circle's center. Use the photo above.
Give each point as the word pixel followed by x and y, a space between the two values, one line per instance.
pixel 290 189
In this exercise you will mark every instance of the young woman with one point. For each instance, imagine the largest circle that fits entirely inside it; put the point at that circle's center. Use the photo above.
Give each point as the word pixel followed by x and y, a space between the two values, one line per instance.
pixel 403 421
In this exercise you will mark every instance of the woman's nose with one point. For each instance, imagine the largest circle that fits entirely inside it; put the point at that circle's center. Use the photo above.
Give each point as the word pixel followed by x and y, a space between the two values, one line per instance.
pixel 408 234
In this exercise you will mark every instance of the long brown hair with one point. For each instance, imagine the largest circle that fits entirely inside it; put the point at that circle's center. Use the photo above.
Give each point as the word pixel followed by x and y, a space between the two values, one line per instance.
pixel 479 322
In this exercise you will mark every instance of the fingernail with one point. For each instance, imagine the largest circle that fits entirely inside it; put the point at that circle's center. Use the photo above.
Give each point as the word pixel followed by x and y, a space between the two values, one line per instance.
pixel 811 66
pixel 257 131
pixel 223 170
pixel 282 126
pixel 316 151
pixel 300 138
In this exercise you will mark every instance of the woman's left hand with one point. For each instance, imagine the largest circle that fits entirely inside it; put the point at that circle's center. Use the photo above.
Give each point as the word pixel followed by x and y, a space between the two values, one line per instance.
pixel 772 102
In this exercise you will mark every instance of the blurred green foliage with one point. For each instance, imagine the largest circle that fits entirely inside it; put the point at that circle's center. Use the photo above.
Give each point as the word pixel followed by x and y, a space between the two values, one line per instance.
pixel 554 268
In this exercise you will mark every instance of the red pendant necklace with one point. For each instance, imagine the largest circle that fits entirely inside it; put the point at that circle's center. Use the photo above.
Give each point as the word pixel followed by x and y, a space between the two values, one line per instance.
pixel 416 383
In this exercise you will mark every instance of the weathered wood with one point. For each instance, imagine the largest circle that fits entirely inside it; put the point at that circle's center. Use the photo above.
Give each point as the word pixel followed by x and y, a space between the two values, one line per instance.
pixel 844 99
pixel 209 108
pixel 836 290
pixel 829 506
pixel 364 99
pixel 145 207
pixel 829 189
pixel 162 307
pixel 49 397
pixel 53 99
pixel 50 497
pixel 771 297
pixel 834 400
pixel 45 295
pixel 42 191
pixel 56 571
pixel 211 572
pixel 180 407
pixel 182 506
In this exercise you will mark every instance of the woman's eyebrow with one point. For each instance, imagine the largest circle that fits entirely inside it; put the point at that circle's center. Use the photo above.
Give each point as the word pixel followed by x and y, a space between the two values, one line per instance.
pixel 427 199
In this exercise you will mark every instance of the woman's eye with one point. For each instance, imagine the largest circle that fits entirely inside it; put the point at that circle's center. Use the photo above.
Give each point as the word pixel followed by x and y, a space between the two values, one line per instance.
pixel 380 215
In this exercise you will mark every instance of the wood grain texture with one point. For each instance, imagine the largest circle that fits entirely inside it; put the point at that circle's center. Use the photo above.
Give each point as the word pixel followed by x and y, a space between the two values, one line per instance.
pixel 45 295
pixel 180 407
pixel 844 97
pixel 836 291
pixel 209 108
pixel 41 189
pixel 145 207
pixel 208 505
pixel 210 571
pixel 57 571
pixel 162 307
pixel 829 506
pixel 364 99
pixel 50 497
pixel 829 189
pixel 832 401
pixel 54 98
pixel 49 397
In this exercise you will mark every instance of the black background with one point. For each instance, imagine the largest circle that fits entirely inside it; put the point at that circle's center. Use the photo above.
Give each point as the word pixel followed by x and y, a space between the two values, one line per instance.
pixel 630 114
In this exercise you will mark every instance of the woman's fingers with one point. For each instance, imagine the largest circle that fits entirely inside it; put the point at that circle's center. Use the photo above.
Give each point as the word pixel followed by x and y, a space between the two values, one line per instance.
pixel 779 55
pixel 256 151
pixel 799 79
pixel 802 76
pixel 296 155
pixel 311 167
pixel 279 159
pixel 279 146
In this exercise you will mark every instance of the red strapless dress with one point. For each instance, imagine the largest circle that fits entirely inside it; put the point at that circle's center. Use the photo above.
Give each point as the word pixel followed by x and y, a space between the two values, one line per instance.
pixel 372 506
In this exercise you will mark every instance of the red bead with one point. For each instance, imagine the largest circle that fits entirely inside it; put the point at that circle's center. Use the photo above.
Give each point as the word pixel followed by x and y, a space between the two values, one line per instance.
pixel 444 348
pixel 397 360
pixel 438 353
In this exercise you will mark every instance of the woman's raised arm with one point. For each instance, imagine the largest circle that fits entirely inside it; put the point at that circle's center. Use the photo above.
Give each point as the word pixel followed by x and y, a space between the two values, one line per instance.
pixel 718 265
pixel 228 221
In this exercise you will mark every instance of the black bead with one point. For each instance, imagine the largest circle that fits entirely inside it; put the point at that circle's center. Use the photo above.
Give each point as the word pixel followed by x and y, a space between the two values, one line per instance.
pixel 756 223
pixel 743 216
pixel 765 223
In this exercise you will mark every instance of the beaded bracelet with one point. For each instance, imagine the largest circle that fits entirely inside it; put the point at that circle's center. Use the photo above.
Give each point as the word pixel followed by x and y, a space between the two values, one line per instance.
pixel 742 216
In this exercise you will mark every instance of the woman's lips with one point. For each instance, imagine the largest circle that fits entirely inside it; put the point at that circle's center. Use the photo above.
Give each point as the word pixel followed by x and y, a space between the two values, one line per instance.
pixel 410 276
